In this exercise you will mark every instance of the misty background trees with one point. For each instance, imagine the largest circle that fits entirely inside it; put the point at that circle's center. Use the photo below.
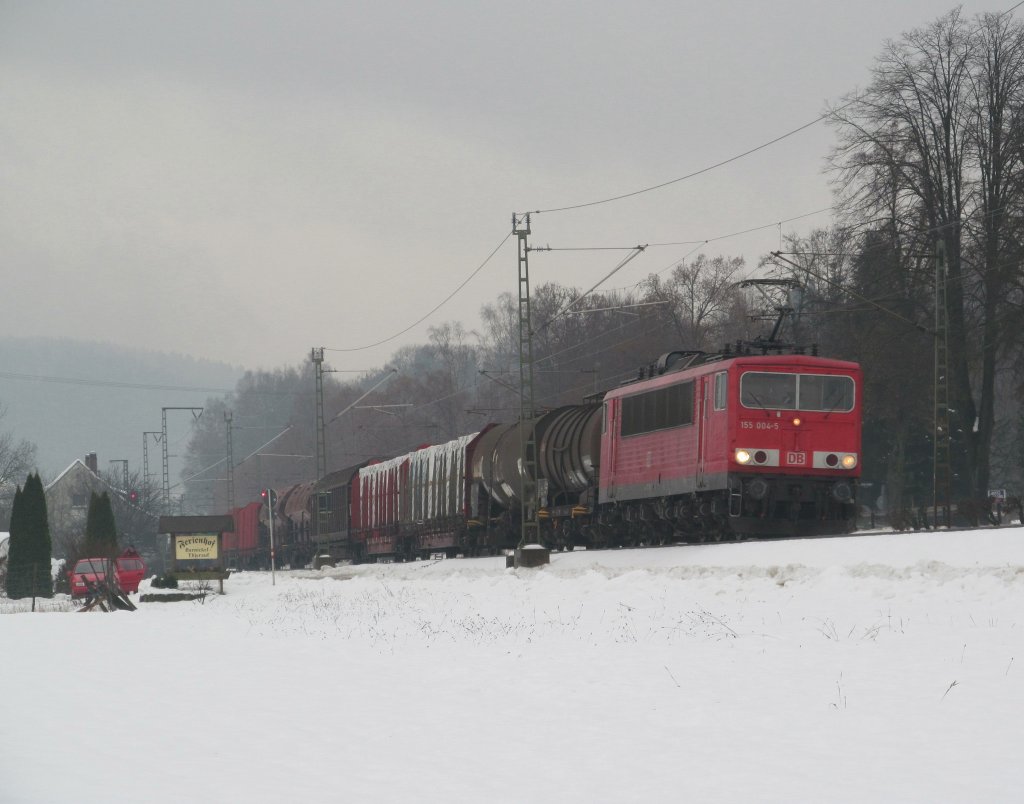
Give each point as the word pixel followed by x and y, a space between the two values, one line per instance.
pixel 17 459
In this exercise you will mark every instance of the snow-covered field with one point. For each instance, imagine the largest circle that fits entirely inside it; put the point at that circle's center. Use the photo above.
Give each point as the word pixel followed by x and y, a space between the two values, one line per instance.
pixel 874 668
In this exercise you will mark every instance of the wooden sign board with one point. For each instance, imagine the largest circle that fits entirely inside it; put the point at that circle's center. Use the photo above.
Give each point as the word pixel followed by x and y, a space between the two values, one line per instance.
pixel 196 546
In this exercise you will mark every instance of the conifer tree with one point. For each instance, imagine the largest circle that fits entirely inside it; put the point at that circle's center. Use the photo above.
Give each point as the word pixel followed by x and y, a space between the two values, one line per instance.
pixel 100 527
pixel 18 555
pixel 31 548
pixel 41 545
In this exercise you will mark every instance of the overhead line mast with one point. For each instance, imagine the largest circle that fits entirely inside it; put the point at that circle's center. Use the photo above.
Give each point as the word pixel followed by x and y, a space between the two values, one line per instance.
pixel 317 356
pixel 530 524
pixel 322 501
pixel 228 418
pixel 196 413
pixel 157 436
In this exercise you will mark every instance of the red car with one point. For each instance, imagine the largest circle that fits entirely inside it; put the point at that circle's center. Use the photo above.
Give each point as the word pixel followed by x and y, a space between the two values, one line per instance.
pixel 128 569
pixel 88 571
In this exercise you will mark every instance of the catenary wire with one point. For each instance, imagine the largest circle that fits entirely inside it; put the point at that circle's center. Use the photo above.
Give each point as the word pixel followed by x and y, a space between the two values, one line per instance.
pixel 707 169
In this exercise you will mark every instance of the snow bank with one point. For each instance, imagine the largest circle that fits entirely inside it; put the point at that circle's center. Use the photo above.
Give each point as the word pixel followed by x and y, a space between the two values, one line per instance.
pixel 878 668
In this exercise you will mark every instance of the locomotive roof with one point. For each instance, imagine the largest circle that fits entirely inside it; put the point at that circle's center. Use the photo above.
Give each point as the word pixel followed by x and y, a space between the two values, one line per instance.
pixel 777 361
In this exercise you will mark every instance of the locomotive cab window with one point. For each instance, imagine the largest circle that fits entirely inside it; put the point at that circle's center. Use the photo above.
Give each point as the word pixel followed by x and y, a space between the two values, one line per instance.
pixel 826 392
pixel 721 388
pixel 660 409
pixel 768 390
pixel 779 391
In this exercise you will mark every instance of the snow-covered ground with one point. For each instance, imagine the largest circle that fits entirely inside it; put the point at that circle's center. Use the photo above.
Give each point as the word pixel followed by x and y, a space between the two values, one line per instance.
pixel 874 668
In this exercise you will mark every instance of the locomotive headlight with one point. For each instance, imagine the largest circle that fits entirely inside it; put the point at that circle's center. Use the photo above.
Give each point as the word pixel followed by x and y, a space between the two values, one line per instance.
pixel 742 456
pixel 849 461
pixel 796 421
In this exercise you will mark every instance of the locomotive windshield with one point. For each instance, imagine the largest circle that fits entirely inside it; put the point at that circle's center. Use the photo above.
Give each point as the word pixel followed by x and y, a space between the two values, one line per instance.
pixel 820 392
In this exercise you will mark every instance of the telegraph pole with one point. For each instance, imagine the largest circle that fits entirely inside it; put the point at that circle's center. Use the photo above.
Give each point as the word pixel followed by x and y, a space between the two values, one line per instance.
pixel 196 413
pixel 941 465
pixel 317 356
pixel 530 524
pixel 228 416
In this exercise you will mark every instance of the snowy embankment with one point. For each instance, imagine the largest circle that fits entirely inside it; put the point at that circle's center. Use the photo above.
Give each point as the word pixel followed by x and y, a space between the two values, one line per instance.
pixel 872 668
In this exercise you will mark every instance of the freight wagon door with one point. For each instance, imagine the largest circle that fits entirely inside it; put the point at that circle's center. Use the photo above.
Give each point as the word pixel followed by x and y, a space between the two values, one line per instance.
pixel 703 388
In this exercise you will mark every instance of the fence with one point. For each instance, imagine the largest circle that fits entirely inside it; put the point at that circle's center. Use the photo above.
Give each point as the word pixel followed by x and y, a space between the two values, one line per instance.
pixel 25 585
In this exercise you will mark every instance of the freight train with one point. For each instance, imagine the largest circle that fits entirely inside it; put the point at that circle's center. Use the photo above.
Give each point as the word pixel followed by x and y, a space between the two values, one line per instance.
pixel 697 448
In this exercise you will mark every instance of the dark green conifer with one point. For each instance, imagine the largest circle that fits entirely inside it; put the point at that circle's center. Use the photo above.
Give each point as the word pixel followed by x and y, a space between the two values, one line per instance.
pixel 28 570
pixel 17 554
pixel 41 543
pixel 100 528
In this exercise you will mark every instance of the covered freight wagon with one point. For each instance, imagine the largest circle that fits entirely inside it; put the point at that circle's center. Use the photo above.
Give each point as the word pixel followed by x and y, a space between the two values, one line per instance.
pixel 418 503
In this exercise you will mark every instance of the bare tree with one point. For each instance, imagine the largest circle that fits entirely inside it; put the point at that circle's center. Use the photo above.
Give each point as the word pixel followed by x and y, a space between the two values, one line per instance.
pixel 17 459
pixel 996 131
pixel 699 297
pixel 933 144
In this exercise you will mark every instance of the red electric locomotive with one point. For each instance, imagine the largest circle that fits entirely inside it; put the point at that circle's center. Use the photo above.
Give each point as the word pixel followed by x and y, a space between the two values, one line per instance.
pixel 751 445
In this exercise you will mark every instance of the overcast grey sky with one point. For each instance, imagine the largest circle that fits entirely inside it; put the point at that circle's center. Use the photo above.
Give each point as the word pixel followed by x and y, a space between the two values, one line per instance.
pixel 245 180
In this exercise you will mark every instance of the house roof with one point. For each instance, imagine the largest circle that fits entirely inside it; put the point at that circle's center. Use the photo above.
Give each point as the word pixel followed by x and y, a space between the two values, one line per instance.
pixel 75 466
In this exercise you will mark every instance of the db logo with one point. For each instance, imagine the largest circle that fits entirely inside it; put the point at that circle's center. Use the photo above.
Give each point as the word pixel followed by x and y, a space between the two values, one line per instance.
pixel 796 458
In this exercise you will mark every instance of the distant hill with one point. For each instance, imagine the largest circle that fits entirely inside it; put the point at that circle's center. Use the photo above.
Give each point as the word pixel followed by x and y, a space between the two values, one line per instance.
pixel 72 397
